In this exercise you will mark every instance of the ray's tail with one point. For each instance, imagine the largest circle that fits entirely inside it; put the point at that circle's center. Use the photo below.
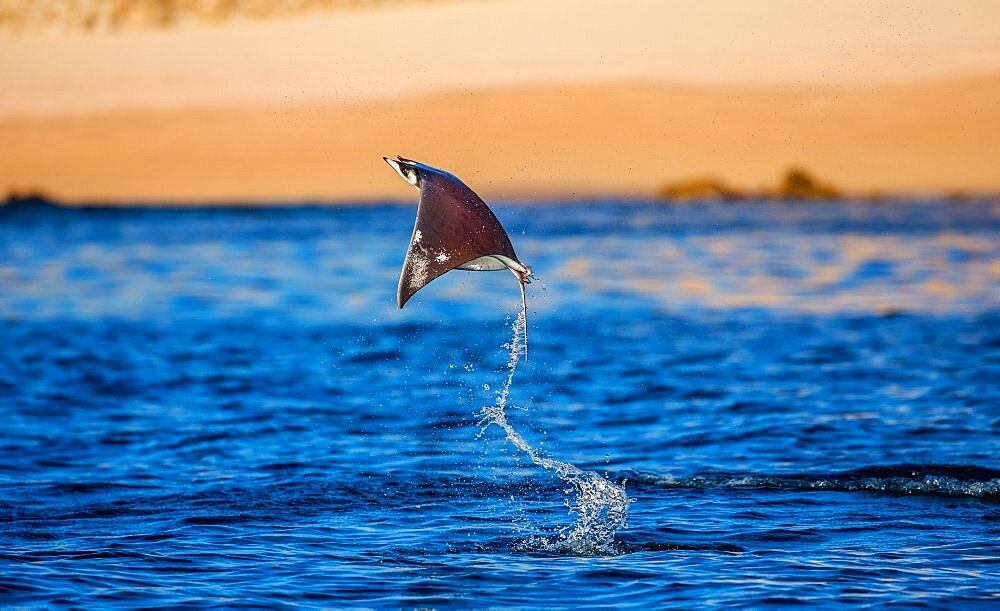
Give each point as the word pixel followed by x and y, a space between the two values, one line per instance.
pixel 523 279
pixel 524 313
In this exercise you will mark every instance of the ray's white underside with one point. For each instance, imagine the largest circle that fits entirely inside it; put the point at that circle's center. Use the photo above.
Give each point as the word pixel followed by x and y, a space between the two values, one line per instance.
pixel 493 263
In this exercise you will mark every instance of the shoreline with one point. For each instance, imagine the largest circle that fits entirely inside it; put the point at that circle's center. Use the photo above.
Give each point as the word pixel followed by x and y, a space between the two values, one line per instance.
pixel 37 203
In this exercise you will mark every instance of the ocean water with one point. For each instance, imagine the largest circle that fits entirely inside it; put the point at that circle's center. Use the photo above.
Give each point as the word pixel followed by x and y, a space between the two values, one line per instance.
pixel 723 404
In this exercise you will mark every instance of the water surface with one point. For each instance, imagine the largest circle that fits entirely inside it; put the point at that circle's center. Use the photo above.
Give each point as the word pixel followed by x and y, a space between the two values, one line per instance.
pixel 224 407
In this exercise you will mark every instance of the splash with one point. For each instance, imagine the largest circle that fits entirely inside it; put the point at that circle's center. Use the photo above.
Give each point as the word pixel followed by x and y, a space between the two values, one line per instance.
pixel 601 506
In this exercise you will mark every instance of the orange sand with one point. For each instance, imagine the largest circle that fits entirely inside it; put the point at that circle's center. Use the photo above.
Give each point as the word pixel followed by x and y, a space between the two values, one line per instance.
pixel 520 142
pixel 520 97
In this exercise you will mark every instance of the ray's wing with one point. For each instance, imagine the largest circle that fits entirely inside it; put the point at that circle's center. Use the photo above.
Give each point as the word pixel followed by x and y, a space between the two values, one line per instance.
pixel 454 226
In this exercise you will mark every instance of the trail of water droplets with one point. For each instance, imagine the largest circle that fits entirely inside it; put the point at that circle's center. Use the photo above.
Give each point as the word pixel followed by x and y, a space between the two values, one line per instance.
pixel 601 506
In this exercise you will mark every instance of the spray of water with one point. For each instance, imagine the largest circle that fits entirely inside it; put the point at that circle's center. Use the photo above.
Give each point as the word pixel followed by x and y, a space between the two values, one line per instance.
pixel 601 506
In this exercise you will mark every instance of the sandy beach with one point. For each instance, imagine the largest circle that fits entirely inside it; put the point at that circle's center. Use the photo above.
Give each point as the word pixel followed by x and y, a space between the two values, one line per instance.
pixel 304 107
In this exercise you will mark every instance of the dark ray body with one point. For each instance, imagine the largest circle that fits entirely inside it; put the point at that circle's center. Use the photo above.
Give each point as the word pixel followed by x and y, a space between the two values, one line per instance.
pixel 454 229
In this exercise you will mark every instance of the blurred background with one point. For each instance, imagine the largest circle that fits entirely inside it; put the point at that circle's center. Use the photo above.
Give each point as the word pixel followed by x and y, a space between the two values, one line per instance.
pixel 121 101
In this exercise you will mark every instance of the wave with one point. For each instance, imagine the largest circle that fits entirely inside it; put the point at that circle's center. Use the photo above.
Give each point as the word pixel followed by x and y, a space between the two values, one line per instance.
pixel 930 480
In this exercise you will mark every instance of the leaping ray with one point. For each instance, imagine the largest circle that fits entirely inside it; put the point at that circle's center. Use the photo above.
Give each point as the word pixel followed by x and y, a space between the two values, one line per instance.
pixel 454 229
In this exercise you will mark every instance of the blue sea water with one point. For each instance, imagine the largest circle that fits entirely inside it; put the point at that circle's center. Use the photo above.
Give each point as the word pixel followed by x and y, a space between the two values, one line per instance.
pixel 225 408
